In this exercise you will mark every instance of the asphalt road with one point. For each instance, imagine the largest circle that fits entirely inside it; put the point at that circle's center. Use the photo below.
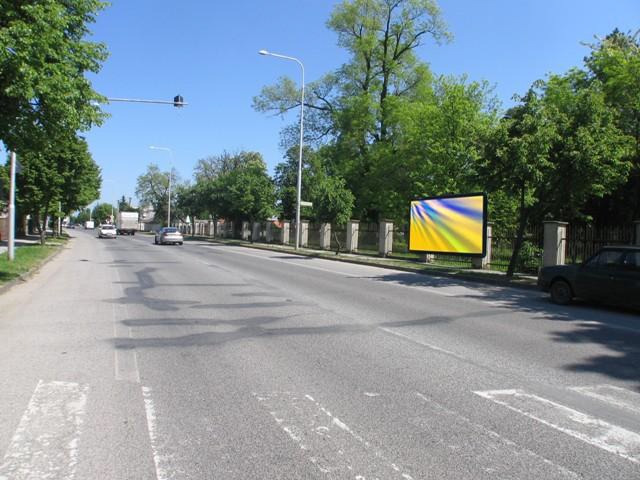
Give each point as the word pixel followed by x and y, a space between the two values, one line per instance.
pixel 126 360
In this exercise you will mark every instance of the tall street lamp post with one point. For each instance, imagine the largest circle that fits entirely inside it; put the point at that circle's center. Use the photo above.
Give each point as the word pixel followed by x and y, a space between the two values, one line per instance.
pixel 299 189
pixel 167 149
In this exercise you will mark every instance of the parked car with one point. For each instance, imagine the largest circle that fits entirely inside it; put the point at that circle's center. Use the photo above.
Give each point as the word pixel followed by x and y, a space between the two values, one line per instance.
pixel 107 231
pixel 168 235
pixel 611 276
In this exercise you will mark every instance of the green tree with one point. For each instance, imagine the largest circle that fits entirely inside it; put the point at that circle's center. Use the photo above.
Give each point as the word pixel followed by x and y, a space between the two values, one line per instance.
pixel 614 63
pixel 61 172
pixel 517 160
pixel 152 188
pixel 44 58
pixel 590 151
pixel 191 202
pixel 245 193
pixel 102 212
pixel 351 111
pixel 124 205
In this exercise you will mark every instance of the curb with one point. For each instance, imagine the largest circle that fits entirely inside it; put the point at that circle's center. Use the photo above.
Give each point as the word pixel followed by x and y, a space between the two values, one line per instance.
pixel 22 278
pixel 459 275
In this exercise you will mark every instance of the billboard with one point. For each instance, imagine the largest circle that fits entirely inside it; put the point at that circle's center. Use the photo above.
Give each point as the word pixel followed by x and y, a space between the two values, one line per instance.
pixel 449 224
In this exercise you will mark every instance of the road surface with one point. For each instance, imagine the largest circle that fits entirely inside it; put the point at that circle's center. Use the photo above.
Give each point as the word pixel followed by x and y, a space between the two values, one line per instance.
pixel 126 360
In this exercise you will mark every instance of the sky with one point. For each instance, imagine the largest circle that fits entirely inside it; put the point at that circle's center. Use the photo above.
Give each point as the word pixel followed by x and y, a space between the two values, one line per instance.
pixel 207 51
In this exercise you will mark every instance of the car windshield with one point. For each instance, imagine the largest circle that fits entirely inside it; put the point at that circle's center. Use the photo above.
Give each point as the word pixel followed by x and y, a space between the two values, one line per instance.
pixel 170 230
pixel 108 227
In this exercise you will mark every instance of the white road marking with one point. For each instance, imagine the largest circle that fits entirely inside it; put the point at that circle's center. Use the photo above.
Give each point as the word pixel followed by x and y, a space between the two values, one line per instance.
pixel 45 444
pixel 462 292
pixel 617 396
pixel 125 359
pixel 331 445
pixel 162 461
pixel 422 343
pixel 516 449
pixel 582 426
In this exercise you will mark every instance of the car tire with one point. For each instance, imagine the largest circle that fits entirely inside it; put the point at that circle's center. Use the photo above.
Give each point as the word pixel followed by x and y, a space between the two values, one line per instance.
pixel 179 243
pixel 561 293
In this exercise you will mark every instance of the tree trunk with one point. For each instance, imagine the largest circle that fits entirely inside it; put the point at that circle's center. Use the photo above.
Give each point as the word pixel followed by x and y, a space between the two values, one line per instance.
pixel 43 228
pixel 522 225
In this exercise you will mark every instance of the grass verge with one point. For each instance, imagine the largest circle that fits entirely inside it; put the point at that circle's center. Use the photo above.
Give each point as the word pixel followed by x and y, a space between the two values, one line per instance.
pixel 26 259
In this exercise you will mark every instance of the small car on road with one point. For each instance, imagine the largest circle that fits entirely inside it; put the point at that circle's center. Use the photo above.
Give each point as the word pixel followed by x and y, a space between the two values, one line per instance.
pixel 610 276
pixel 168 235
pixel 107 231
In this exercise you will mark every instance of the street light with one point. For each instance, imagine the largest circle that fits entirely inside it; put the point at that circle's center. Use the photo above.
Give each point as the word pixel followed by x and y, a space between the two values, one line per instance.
pixel 167 149
pixel 299 189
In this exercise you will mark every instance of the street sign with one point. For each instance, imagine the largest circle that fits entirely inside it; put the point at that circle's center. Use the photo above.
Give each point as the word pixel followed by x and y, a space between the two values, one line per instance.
pixel 306 204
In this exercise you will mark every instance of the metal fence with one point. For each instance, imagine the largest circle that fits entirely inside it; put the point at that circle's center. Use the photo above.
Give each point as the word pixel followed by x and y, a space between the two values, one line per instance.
pixel 368 238
pixel 504 242
pixel 338 235
pixel 313 235
pixel 583 240
pixel 276 233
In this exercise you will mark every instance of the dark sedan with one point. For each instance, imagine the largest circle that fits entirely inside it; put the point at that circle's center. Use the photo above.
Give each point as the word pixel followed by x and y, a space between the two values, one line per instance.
pixel 610 276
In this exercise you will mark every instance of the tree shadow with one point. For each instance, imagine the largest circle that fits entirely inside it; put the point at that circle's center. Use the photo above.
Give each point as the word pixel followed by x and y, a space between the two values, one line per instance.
pixel 136 295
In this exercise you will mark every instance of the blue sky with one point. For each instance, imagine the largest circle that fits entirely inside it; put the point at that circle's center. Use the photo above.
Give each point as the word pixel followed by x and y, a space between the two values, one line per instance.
pixel 206 50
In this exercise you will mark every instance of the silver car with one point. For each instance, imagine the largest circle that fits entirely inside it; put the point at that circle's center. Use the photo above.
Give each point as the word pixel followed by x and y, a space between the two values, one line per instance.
pixel 107 231
pixel 168 235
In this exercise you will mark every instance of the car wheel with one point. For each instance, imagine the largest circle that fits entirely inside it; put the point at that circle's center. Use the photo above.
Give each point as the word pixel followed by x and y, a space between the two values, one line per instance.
pixel 561 292
pixel 179 243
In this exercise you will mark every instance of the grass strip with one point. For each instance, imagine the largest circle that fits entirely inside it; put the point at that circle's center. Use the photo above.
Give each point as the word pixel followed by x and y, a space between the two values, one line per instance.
pixel 26 258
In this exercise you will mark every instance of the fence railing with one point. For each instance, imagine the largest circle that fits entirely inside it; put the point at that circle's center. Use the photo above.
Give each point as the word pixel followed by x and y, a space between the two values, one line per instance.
pixel 583 240
pixel 580 242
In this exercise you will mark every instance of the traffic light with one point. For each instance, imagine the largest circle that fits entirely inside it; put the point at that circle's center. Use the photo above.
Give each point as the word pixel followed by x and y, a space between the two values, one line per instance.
pixel 178 101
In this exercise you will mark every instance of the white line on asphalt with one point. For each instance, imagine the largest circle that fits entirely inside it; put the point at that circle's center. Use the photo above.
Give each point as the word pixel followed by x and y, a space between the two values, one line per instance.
pixel 458 290
pixel 162 461
pixel 125 360
pixel 514 447
pixel 617 396
pixel 330 444
pixel 582 426
pixel 45 444
pixel 285 260
pixel 422 343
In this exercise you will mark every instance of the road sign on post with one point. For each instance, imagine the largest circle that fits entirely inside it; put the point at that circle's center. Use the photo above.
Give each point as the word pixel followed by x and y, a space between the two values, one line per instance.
pixel 306 204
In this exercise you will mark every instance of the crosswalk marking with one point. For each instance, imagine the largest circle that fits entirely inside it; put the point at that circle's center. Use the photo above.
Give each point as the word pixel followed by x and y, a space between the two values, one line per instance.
pixel 329 444
pixel 619 397
pixel 45 444
pixel 582 426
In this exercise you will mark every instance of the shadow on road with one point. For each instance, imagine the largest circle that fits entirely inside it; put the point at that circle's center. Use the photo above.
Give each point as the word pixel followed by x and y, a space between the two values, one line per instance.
pixel 615 329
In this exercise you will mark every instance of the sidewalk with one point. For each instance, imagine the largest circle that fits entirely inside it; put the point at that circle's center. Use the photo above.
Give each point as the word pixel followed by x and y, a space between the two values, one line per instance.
pixel 482 276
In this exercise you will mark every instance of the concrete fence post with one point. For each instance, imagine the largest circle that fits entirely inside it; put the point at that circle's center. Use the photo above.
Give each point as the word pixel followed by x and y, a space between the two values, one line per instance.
pixel 325 236
pixel 268 231
pixel 555 241
pixel 353 227
pixel 255 233
pixel 483 262
pixel 286 232
pixel 304 230
pixel 385 238
pixel 636 231
pixel 245 233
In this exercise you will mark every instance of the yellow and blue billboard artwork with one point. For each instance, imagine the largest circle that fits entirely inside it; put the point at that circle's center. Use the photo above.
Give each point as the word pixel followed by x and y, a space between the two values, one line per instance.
pixel 452 224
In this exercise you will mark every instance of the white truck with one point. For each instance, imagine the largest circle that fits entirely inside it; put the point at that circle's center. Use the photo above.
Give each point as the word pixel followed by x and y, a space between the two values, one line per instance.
pixel 89 225
pixel 127 223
